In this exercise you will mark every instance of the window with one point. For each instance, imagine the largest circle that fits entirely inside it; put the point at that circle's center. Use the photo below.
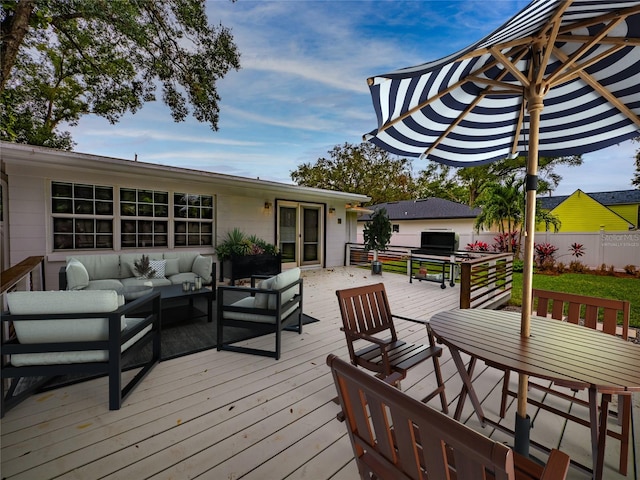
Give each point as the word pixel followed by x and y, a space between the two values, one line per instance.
pixel 395 228
pixel 144 218
pixel 82 216
pixel 193 219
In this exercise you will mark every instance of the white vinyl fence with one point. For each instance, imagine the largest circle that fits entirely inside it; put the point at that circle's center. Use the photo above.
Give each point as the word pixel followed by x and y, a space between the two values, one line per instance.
pixel 609 248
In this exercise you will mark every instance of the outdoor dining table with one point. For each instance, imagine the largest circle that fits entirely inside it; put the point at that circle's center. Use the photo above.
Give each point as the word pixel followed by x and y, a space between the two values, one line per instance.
pixel 566 354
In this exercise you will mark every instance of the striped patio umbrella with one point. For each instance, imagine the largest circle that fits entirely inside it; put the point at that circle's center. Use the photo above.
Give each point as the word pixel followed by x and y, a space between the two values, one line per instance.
pixel 559 78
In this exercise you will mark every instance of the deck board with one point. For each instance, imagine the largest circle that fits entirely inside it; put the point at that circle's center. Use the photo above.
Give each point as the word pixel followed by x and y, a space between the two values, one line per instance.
pixel 229 415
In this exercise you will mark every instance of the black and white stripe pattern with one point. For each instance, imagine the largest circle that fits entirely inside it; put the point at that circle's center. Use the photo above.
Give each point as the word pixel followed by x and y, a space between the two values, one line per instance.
pixel 576 118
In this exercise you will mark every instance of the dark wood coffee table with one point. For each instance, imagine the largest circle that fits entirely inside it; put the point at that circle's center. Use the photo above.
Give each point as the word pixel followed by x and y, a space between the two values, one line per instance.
pixel 174 310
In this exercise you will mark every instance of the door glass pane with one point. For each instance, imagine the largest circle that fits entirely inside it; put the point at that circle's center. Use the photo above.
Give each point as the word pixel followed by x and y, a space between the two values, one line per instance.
pixel 288 234
pixel 310 234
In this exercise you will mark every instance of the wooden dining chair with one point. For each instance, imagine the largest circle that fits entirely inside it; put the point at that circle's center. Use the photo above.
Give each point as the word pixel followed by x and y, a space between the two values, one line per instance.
pixel 607 315
pixel 373 343
pixel 394 436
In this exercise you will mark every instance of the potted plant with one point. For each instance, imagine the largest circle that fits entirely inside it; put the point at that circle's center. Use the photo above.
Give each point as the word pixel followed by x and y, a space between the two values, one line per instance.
pixel 377 235
pixel 242 256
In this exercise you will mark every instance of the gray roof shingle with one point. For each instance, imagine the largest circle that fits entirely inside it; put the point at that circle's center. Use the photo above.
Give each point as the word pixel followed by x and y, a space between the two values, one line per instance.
pixel 424 209
pixel 620 197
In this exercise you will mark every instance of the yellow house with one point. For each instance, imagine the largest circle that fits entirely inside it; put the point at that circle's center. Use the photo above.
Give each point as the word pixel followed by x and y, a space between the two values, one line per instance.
pixel 592 212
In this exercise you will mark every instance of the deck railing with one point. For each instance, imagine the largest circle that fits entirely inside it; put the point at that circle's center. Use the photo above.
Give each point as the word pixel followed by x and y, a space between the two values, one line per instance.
pixel 485 279
pixel 26 275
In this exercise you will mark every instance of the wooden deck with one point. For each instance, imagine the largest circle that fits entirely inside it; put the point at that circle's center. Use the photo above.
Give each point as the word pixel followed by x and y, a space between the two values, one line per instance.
pixel 225 415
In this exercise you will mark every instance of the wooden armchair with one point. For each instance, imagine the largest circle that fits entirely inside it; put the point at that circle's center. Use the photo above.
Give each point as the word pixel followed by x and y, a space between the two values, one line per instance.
pixel 368 323
pixel 604 314
pixel 394 436
pixel 51 333
pixel 270 306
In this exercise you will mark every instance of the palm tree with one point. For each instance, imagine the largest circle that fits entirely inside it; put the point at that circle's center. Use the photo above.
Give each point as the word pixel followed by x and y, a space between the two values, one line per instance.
pixel 502 205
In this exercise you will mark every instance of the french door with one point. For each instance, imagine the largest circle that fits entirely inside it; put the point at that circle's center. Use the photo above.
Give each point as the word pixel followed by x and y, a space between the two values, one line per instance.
pixel 300 233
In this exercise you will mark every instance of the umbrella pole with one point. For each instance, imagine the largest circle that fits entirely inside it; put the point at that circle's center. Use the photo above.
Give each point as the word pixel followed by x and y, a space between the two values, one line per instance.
pixel 523 422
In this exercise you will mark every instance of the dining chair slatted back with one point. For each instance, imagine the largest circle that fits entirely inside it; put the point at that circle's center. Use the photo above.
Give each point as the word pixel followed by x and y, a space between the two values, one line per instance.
pixel 615 313
pixel 385 427
pixel 372 340
pixel 607 315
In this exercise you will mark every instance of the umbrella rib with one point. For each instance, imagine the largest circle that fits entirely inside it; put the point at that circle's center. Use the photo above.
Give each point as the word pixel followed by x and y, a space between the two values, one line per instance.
pixel 514 147
pixel 573 72
pixel 550 31
pixel 464 113
pixel 502 58
pixel 627 112
pixel 597 20
pixel 455 123
pixel 437 96
pixel 566 65
pixel 622 41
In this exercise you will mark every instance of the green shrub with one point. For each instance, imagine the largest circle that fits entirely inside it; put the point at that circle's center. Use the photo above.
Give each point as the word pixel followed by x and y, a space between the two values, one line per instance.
pixel 577 267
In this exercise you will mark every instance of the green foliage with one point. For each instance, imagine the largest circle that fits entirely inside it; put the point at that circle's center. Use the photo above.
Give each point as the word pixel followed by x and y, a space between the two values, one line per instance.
pixel 377 231
pixel 237 242
pixel 362 168
pixel 518 265
pixel 107 58
pixel 502 205
pixel 143 267
pixel 585 284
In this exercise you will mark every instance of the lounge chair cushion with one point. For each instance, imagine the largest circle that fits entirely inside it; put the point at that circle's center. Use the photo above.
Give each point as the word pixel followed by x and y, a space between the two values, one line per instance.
pixel 77 275
pixel 282 280
pixel 262 299
pixel 63 301
pixel 202 267
pixel 84 356
pixel 248 302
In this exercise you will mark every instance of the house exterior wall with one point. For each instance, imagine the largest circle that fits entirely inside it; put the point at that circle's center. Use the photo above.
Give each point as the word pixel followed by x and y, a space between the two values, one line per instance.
pixel 238 202
pixel 408 234
pixel 631 213
pixel 581 213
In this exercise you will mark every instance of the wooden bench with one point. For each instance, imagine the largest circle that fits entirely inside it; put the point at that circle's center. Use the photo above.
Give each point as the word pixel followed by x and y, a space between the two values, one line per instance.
pixel 604 314
pixel 395 436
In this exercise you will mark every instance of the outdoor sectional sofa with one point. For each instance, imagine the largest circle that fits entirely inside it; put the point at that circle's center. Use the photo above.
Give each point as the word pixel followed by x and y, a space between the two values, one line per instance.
pixel 116 271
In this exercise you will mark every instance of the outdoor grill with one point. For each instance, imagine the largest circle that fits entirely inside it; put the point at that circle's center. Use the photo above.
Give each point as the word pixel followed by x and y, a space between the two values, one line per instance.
pixel 437 243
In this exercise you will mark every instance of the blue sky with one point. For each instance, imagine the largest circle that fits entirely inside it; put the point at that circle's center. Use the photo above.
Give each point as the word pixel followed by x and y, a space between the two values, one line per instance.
pixel 302 88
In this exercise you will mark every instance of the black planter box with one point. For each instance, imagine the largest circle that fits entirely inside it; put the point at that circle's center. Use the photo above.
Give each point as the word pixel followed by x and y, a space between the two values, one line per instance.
pixel 238 267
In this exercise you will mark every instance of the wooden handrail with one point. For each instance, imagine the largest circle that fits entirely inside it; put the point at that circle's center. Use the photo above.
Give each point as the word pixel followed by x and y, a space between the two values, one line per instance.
pixel 486 282
pixel 13 275
pixel 485 278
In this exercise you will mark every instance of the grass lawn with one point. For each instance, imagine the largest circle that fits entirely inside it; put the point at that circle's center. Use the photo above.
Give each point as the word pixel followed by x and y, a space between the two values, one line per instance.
pixel 585 284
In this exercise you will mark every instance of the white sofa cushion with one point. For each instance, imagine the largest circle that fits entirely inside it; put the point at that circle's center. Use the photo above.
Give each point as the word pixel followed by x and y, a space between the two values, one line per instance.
pixel 172 267
pixel 101 266
pixel 185 260
pixel 127 260
pixel 63 301
pixel 77 275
